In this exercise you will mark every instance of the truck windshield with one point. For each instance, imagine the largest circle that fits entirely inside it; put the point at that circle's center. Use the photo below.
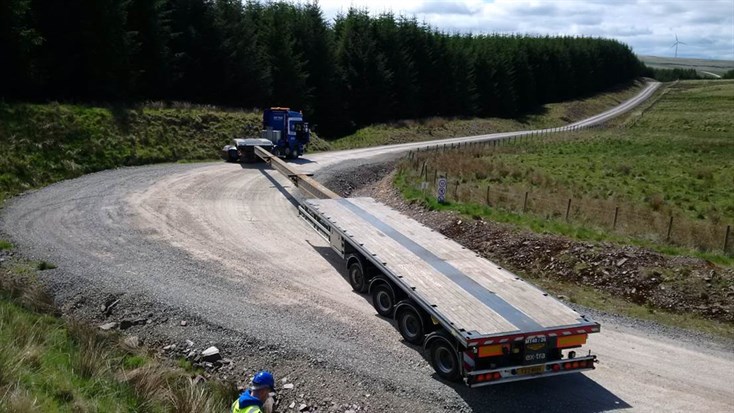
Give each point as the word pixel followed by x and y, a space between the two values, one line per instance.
pixel 294 125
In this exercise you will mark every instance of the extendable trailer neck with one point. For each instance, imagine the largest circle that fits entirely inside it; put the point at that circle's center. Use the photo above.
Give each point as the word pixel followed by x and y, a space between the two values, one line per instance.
pixel 479 322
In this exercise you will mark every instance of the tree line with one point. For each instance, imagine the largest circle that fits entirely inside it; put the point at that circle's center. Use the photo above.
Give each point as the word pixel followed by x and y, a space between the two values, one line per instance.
pixel 346 73
pixel 669 75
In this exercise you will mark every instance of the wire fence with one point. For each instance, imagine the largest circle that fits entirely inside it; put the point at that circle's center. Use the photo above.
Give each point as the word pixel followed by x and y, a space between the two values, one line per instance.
pixel 663 226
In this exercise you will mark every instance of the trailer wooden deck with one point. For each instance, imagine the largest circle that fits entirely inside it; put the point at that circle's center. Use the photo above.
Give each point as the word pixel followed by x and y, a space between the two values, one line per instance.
pixel 472 294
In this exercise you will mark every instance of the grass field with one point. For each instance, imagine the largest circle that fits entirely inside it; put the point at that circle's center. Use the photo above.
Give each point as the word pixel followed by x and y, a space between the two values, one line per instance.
pixel 675 158
pixel 50 364
pixel 718 67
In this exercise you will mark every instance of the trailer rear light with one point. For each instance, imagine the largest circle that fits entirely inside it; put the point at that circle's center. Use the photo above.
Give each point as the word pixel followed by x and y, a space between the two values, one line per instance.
pixel 487 377
pixel 574 365
pixel 490 351
pixel 571 341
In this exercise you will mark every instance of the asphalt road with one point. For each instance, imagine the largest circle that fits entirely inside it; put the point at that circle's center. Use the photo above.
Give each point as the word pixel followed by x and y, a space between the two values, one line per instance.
pixel 223 244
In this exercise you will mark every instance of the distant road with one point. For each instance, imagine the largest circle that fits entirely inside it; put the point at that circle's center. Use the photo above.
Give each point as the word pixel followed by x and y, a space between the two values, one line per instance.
pixel 712 74
pixel 337 156
pixel 223 246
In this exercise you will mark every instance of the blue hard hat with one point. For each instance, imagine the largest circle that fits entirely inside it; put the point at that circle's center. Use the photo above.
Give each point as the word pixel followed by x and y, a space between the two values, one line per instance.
pixel 263 379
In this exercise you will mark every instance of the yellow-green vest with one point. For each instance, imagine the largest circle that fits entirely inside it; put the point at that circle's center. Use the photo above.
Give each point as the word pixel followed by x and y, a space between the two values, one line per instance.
pixel 249 409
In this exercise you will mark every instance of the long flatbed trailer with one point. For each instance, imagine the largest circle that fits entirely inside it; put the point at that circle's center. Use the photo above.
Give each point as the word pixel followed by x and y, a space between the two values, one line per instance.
pixel 478 322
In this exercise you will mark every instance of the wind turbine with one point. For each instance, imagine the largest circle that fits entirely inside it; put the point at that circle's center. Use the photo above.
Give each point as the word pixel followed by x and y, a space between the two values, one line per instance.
pixel 676 44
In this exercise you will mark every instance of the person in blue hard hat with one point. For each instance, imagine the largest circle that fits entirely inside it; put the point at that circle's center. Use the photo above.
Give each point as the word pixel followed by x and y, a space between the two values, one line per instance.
pixel 257 395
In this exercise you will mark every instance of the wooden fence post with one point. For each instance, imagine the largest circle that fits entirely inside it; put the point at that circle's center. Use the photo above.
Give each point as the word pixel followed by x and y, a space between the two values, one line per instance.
pixel 726 238
pixel 568 208
pixel 487 196
pixel 525 203
pixel 616 214
pixel 670 228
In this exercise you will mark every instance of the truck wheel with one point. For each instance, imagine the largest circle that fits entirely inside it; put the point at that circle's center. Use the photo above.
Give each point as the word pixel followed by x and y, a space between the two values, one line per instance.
pixel 357 278
pixel 410 325
pixel 383 300
pixel 444 360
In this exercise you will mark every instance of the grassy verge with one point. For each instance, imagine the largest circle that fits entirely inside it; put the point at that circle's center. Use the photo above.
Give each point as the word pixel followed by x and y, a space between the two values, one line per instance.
pixel 52 364
pixel 663 179
pixel 547 116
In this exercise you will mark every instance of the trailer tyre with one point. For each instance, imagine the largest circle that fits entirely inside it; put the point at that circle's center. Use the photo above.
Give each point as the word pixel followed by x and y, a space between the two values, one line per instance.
pixel 410 325
pixel 357 278
pixel 444 360
pixel 383 300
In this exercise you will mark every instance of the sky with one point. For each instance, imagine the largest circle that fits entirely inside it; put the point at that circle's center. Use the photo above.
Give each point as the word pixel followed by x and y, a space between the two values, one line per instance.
pixel 649 27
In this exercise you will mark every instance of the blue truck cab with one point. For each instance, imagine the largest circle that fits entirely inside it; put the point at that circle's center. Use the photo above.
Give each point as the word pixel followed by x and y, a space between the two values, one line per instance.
pixel 287 130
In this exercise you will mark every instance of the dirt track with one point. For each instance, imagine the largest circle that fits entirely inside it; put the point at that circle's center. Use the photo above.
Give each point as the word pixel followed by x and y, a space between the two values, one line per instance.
pixel 222 246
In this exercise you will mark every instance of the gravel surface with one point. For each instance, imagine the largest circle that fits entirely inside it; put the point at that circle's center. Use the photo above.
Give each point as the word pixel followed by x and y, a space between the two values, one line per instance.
pixel 216 254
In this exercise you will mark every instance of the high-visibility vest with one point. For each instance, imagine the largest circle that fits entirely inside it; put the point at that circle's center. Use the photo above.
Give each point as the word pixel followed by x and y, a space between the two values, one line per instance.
pixel 249 409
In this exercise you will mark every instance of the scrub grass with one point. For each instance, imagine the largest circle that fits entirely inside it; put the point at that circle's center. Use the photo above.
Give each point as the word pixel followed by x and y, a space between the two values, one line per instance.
pixel 42 144
pixel 674 159
pixel 49 363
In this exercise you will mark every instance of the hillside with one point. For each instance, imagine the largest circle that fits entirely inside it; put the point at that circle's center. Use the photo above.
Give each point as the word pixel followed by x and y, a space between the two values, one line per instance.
pixel 718 67
pixel 43 144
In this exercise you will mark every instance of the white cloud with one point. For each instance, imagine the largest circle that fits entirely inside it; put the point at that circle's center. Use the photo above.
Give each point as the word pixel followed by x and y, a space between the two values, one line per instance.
pixel 648 26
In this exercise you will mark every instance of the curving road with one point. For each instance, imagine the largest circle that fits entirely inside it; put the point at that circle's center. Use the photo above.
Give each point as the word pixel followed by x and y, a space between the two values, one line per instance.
pixel 223 244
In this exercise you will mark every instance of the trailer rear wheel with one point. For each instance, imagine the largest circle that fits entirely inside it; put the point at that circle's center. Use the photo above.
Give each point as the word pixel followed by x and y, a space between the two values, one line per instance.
pixel 357 278
pixel 383 300
pixel 444 360
pixel 410 325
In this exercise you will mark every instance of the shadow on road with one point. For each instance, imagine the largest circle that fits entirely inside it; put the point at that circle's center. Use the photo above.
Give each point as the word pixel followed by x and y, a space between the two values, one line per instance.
pixel 278 186
pixel 254 165
pixel 338 263
pixel 574 392
pixel 299 161
pixel 569 393
pixel 259 164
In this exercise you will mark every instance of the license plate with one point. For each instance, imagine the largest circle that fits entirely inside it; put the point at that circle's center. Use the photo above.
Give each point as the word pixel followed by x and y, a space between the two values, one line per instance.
pixel 530 370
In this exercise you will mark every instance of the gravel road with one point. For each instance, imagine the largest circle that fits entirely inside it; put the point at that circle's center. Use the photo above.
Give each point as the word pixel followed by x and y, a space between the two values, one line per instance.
pixel 222 247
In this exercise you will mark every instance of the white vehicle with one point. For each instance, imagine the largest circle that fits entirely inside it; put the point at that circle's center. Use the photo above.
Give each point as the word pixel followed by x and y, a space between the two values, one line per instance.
pixel 243 150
